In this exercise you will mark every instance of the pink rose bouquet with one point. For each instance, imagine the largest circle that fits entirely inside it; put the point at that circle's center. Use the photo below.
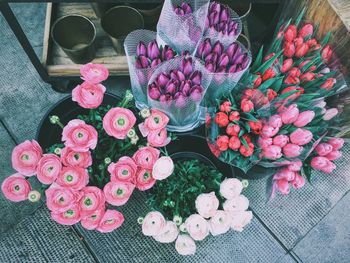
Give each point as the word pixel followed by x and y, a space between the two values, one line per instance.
pixel 102 157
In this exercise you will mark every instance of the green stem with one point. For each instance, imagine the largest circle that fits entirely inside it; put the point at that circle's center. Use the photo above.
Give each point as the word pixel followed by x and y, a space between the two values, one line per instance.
pixel 126 146
pixel 60 124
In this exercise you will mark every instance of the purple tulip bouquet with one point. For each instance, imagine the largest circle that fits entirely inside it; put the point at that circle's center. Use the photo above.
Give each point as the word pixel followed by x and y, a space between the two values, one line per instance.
pixel 181 24
pixel 222 23
pixel 177 87
pixel 225 63
pixel 144 54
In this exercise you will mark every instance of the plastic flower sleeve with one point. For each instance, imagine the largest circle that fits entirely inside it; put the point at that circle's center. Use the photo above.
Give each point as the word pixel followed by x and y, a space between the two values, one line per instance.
pixel 222 23
pixel 177 87
pixel 226 63
pixel 184 30
pixel 139 77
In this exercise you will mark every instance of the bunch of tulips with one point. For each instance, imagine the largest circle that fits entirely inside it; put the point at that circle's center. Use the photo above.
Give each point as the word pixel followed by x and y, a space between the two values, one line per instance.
pixel 152 55
pixel 178 85
pixel 220 60
pixel 183 9
pixel 219 21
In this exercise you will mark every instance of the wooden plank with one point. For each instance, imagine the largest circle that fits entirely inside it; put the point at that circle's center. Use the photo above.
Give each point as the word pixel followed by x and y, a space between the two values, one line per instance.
pixel 46 34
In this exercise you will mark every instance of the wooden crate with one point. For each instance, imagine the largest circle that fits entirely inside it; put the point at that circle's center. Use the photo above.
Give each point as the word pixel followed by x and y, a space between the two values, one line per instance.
pixel 58 63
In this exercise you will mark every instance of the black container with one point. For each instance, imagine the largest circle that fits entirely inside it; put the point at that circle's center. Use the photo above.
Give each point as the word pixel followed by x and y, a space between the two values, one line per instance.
pixel 195 147
pixel 66 109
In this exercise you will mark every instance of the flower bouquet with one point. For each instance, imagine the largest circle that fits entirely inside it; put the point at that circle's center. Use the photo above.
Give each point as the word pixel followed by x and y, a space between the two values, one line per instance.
pixel 193 203
pixel 97 163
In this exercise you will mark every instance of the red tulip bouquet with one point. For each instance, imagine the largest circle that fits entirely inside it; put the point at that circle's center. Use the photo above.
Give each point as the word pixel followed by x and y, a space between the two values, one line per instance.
pixel 177 88
pixel 144 55
pixel 222 23
pixel 100 159
pixel 181 24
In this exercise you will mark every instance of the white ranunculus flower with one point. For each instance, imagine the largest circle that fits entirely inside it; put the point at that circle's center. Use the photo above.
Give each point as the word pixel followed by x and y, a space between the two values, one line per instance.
pixel 240 220
pixel 239 203
pixel 197 227
pixel 169 234
pixel 163 168
pixel 185 245
pixel 220 223
pixel 231 188
pixel 207 204
pixel 153 224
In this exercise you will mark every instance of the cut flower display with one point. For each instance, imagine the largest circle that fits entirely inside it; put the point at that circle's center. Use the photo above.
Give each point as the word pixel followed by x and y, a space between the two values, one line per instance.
pixel 102 158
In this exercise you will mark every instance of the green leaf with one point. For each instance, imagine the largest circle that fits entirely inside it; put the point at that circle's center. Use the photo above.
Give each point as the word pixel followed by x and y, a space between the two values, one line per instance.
pixel 258 59
pixel 244 142
pixel 286 95
pixel 300 17
pixel 250 117
pixel 326 39
pixel 276 86
pixel 264 86
pixel 267 64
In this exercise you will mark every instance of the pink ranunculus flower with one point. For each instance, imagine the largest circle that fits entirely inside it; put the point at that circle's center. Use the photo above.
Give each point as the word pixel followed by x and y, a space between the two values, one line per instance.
pixel 185 245
pixel 163 168
pixel 239 203
pixel 73 177
pixel 60 199
pixel 123 170
pixel 319 162
pixel 92 199
pixel 145 157
pixel 275 121
pixel 284 173
pixel 79 136
pixel 264 142
pixel 49 167
pixel 158 138
pixel 94 73
pixel 118 121
pixel 304 118
pixel 291 150
pixel 169 233
pixel 290 114
pixel 26 156
pixel 68 217
pixel 16 188
pixel 153 224
pixel 118 193
pixel 337 143
pixel 283 186
pixel 301 137
pixel 280 140
pixel 207 204
pixel 92 221
pixel 155 122
pixel 334 155
pixel 240 219
pixel 144 179
pixel 295 166
pixel 220 223
pixel 323 149
pixel 298 181
pixel 69 157
pixel 88 95
pixel 110 221
pixel 197 227
pixel 272 152
pixel 231 188
pixel 269 131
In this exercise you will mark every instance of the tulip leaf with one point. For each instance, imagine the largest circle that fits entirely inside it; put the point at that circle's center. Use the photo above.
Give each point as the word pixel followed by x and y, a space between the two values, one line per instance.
pixel 300 17
pixel 267 64
pixel 258 60
pixel 326 38
pixel 244 142
pixel 286 95
pixel 276 86
pixel 264 86
pixel 250 117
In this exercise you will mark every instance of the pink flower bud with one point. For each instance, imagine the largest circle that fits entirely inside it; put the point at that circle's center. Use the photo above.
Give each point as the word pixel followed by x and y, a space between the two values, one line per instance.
pixel 275 121
pixel 304 118
pixel 306 30
pixel 141 62
pixel 264 142
pixel 162 79
pixel 165 100
pixel 210 66
pixel 291 150
pixel 290 115
pixel 186 66
pixel 224 15
pixel 287 64
pixel 284 173
pixel 141 49
pixel 231 50
pixel 283 186
pixel 186 8
pixel 337 143
pixel 272 152
pixel 301 137
pixel 330 114
pixel 319 162
pixel 155 62
pixel 180 100
pixel 180 75
pixel 218 48
pixel 179 11
pixel 196 77
pixel 170 88
pixel 196 93
pixel 204 48
pixel 323 149
pixel 154 93
pixel 232 69
pixel 168 53
pixel 153 50
pixel 212 57
pixel 185 87
pixel 295 166
pixel 329 168
pixel 281 140
pixel 223 60
pixel 298 181
pixel 269 131
pixel 335 155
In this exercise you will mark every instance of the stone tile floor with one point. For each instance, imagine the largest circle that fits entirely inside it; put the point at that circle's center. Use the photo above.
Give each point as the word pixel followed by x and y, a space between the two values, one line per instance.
pixel 310 225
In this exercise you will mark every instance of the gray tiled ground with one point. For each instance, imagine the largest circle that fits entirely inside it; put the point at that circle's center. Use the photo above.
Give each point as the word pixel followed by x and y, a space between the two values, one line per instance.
pixel 304 222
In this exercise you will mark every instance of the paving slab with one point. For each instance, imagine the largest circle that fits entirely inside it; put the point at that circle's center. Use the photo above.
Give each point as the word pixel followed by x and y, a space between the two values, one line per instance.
pixel 39 239
pixel 127 244
pixel 329 241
